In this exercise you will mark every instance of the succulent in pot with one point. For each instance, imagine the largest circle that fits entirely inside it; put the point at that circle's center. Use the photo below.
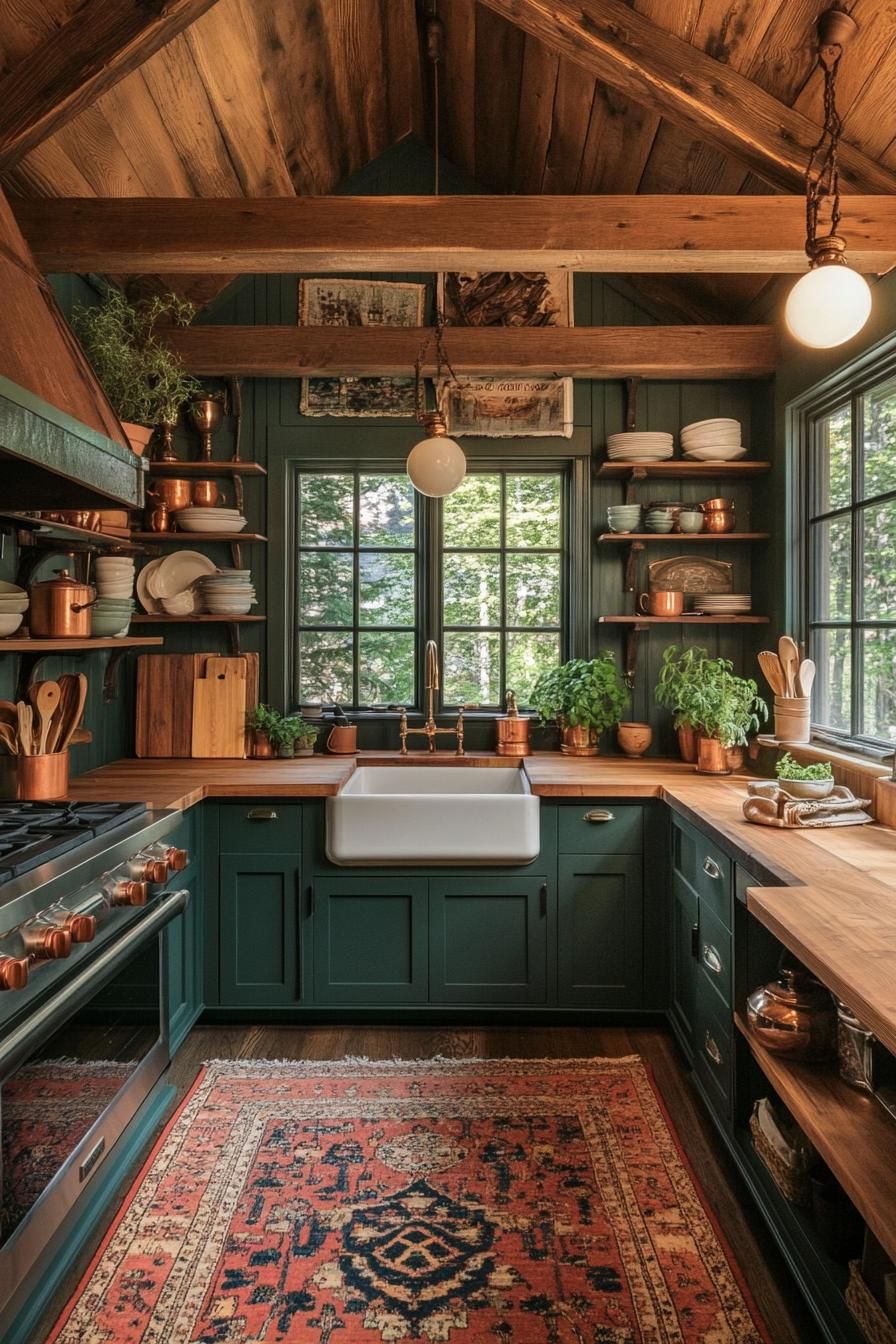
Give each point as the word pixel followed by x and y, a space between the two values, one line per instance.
pixel 805 781
pixel 584 697
pixel 146 383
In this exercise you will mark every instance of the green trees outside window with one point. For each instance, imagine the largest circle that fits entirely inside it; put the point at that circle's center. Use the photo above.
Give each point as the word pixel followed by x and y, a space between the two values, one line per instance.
pixel 379 570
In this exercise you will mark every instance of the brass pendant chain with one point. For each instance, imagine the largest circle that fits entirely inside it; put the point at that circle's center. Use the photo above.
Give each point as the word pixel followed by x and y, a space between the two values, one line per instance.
pixel 823 170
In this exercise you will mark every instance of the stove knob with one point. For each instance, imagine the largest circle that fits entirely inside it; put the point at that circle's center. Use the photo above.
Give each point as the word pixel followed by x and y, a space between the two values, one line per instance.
pixel 176 859
pixel 49 944
pixel 81 927
pixel 130 893
pixel 13 972
pixel 156 871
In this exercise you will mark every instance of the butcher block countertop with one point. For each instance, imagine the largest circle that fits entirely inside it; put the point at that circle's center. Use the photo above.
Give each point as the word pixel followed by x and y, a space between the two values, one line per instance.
pixel 829 895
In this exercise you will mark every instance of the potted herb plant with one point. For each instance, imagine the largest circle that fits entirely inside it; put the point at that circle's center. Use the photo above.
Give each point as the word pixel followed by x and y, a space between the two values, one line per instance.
pixel 584 697
pixel 293 736
pixel 146 383
pixel 680 688
pixel 260 721
pixel 805 781
pixel 731 709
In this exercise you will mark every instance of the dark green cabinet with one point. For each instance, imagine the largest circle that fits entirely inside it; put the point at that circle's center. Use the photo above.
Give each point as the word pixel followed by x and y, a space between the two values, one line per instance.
pixel 259 930
pixel 488 940
pixel 370 940
pixel 684 948
pixel 600 924
pixel 183 950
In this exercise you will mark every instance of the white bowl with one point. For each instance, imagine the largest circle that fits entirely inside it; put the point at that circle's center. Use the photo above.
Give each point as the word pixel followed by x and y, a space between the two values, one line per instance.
pixel 715 454
pixel 9 623
pixel 8 605
pixel 11 589
pixel 807 788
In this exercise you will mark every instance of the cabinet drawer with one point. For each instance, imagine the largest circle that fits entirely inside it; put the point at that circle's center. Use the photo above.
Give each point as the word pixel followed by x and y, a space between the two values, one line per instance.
pixel 260 828
pixel 714 953
pixel 714 1048
pixel 706 867
pixel 600 828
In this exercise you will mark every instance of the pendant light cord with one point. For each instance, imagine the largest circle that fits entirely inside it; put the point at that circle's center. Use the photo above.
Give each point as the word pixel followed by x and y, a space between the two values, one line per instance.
pixel 823 169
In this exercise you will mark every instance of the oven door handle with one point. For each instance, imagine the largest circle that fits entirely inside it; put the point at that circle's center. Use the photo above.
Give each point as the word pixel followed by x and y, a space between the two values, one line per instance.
pixel 73 994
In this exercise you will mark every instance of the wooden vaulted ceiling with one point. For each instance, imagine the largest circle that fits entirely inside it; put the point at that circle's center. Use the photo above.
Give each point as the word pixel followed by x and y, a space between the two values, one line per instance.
pixel 275 97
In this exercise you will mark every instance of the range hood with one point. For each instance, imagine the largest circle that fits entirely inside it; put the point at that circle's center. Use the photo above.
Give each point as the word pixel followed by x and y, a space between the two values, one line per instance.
pixel 61 444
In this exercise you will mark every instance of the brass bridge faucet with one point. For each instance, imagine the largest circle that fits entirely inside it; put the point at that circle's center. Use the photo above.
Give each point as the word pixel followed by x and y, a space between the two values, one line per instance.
pixel 429 730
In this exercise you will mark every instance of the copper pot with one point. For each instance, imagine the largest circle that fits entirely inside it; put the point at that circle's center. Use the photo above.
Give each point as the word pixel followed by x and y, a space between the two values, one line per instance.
pixel 712 757
pixel 60 608
pixel 718 515
pixel 512 730
pixel 205 494
pixel 578 741
pixel 173 491
pixel 793 1015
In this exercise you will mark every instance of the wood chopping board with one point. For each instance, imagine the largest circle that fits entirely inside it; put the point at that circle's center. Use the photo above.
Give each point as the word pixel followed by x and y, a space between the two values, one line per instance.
pixel 164 716
pixel 219 709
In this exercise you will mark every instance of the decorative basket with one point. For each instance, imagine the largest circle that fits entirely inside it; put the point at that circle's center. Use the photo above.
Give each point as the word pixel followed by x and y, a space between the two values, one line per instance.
pixel 790 1176
pixel 869 1314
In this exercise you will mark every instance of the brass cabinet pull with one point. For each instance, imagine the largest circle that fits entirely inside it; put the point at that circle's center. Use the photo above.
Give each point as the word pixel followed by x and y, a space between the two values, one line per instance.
pixel 261 814
pixel 711 1048
pixel 711 959
pixel 711 868
pixel 599 814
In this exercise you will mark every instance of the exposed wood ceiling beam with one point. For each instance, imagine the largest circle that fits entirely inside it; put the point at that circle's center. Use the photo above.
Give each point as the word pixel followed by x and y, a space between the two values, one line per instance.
pixel 621 47
pixel 582 352
pixel 342 234
pixel 103 41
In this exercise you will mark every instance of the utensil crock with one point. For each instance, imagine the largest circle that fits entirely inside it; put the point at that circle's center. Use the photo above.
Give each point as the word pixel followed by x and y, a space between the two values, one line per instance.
pixel 40 777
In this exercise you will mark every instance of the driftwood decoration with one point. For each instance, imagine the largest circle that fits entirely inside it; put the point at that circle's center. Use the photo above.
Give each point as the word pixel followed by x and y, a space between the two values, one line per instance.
pixel 506 298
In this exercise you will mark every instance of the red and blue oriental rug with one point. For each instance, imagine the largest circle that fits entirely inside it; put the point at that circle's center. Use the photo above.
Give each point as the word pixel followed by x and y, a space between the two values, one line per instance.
pixel 458 1202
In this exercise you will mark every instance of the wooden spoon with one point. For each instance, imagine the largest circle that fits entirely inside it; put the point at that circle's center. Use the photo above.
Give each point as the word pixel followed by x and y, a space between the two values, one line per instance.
pixel 8 713
pixel 45 697
pixel 805 677
pixel 77 711
pixel 772 670
pixel 26 728
pixel 789 655
pixel 9 739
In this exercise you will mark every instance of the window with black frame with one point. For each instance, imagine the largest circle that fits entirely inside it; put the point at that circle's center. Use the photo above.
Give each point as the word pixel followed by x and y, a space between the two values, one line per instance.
pixel 851 564
pixel 379 570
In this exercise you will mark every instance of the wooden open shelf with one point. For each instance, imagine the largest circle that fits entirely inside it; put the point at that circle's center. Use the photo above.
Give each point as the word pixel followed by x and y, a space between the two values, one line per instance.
pixel 45 533
pixel 206 469
pixel 182 538
pixel 164 619
pixel 679 538
pixel 679 620
pixel 852 1132
pixel 675 467
pixel 42 646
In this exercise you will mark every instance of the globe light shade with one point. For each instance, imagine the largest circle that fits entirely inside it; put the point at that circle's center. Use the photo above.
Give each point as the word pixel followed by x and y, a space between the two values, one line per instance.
pixel 436 465
pixel 827 306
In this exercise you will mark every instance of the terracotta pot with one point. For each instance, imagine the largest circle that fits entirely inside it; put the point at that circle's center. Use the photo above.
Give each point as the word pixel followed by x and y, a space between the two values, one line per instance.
pixel 687 743
pixel 261 746
pixel 634 738
pixel 138 436
pixel 578 742
pixel 711 757
pixel 343 739
pixel 735 758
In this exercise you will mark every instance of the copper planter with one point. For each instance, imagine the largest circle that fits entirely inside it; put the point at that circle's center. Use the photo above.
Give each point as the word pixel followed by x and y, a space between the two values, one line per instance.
pixel 578 742
pixel 712 757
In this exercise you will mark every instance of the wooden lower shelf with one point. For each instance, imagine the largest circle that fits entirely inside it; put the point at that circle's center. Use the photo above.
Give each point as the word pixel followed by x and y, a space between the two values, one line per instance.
pixel 188 538
pixel 852 1132
pixel 677 538
pixel 164 619
pixel 206 469
pixel 677 467
pixel 682 620
pixel 77 645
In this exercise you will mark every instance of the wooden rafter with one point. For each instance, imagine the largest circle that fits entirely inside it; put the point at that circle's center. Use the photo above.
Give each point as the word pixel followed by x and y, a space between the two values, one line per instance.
pixel 341 234
pixel 622 48
pixel 103 41
pixel 584 352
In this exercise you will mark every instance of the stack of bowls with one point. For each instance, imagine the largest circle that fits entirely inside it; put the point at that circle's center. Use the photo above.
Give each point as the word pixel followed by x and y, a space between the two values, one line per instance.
pixel 110 617
pixel 196 519
pixel 114 576
pixel 639 446
pixel 229 592
pixel 13 605
pixel 624 517
pixel 673 507
pixel 716 440
pixel 660 518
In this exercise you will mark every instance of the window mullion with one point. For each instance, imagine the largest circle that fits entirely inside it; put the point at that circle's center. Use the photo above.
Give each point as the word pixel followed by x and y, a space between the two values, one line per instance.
pixel 857 556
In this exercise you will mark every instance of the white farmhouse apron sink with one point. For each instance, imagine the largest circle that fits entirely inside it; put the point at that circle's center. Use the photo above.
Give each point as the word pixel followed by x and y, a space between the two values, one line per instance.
pixel 433 814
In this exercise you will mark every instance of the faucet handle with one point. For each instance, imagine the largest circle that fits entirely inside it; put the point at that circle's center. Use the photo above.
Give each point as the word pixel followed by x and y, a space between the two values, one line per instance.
pixel 403 730
pixel 459 732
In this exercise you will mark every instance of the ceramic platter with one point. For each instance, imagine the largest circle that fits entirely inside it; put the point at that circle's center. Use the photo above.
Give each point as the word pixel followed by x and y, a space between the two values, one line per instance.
pixel 178 571
pixel 689 574
pixel 149 604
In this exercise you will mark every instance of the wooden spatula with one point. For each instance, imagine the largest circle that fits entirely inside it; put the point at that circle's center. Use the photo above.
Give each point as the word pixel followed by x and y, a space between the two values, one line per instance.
pixel 9 738
pixel 772 671
pixel 26 728
pixel 45 697
pixel 77 711
pixel 68 691
pixel 789 655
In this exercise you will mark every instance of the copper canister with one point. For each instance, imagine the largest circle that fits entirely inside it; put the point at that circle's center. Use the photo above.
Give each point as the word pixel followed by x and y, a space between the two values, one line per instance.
pixel 42 777
pixel 513 731
pixel 60 608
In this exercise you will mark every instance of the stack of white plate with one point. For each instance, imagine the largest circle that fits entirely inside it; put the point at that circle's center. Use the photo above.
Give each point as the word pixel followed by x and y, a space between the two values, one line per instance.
pixel 229 592
pixel 114 576
pixel 210 520
pixel 716 440
pixel 639 446
pixel 13 605
pixel 724 604
pixel 166 585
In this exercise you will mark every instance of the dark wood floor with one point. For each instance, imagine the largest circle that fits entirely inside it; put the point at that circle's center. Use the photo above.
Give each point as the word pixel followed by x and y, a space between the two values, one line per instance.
pixel 767 1276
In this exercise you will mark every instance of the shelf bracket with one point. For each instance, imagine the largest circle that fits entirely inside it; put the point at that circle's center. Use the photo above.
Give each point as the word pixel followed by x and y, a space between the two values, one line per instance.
pixel 110 675
pixel 233 635
pixel 632 645
pixel 630 566
pixel 28 667
pixel 631 401
pixel 638 474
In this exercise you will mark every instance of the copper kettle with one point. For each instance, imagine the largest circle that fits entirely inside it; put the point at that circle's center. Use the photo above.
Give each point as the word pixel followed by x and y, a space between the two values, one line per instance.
pixel 60 608
pixel 793 1015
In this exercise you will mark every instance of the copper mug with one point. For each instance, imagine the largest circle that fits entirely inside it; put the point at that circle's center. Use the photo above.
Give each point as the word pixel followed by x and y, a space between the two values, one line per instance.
pixel 205 494
pixel 661 604
pixel 343 739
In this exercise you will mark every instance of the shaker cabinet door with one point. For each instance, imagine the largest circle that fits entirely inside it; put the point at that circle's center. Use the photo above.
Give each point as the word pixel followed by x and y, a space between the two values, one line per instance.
pixel 684 953
pixel 370 940
pixel 259 931
pixel 599 931
pixel 488 940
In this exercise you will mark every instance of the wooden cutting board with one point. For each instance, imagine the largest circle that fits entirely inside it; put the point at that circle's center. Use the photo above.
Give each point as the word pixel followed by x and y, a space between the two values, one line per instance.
pixel 219 708
pixel 164 717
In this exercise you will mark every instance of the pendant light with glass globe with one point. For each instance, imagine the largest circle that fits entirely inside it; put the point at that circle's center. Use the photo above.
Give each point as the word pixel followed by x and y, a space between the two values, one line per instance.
pixel 831 303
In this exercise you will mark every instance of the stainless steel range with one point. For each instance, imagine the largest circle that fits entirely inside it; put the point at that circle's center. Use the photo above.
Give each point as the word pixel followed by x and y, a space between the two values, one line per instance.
pixel 87 891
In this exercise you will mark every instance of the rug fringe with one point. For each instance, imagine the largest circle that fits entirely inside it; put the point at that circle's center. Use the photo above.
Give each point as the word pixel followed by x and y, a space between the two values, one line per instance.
pixel 446 1062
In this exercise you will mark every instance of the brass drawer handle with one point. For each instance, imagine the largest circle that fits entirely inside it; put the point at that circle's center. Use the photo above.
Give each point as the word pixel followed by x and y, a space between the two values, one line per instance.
pixel 711 959
pixel 711 1048
pixel 261 814
pixel 711 868
pixel 599 814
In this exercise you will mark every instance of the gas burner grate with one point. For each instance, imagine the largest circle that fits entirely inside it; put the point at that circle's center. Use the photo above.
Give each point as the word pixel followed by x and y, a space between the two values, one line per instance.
pixel 35 833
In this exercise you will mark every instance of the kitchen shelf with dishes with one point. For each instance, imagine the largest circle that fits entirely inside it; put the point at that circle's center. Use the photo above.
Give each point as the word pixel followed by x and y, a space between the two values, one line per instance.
pixel 676 468
pixel 206 469
pixel 209 618
pixel 179 538
pixel 679 538
pixel 684 618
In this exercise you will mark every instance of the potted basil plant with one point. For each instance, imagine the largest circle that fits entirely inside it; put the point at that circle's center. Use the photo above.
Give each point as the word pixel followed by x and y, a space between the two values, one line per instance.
pixel 293 736
pixel 731 710
pixel 681 688
pixel 146 383
pixel 584 697
pixel 805 781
